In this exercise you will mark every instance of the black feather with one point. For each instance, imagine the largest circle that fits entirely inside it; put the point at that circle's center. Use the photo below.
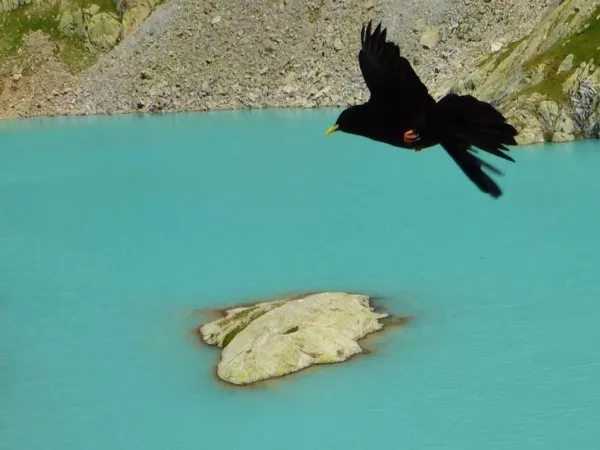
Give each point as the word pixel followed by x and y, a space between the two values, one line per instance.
pixel 400 102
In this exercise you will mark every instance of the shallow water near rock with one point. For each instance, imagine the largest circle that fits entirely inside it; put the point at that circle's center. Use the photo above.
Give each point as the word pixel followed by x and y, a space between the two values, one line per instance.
pixel 115 231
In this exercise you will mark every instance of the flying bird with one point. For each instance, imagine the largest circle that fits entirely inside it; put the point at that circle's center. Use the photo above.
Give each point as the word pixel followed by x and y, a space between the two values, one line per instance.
pixel 402 113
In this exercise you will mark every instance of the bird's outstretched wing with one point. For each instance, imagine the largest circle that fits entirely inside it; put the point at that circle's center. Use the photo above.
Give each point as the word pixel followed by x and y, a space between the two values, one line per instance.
pixel 388 75
pixel 472 167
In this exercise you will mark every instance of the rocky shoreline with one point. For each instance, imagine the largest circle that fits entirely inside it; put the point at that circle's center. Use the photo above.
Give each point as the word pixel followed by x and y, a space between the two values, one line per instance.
pixel 536 61
pixel 196 55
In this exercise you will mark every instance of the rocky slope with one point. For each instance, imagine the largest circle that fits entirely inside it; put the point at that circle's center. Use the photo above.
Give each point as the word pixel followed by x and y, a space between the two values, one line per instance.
pixel 548 83
pixel 190 55
pixel 44 44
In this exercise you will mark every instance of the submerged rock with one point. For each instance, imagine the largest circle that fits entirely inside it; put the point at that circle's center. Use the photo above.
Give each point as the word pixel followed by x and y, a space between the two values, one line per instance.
pixel 272 339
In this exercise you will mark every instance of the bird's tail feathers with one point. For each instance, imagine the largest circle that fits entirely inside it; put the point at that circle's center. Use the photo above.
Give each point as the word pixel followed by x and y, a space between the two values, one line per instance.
pixel 466 122
pixel 469 122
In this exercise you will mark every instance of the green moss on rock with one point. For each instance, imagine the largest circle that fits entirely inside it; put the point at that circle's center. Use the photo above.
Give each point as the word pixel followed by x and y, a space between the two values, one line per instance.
pixel 583 45
pixel 244 317
pixel 233 333
pixel 14 25
pixel 508 50
pixel 68 23
pixel 551 85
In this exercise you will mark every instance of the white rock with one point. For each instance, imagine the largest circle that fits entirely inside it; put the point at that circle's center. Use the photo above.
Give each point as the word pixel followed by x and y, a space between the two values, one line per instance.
pixel 272 339
pixel 496 46
pixel 430 37
pixel 566 65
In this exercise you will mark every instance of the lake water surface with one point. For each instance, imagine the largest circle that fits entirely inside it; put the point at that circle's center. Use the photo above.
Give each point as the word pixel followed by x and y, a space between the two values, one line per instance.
pixel 114 231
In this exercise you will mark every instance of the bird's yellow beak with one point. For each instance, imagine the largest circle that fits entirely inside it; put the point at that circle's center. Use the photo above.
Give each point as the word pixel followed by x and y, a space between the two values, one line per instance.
pixel 332 129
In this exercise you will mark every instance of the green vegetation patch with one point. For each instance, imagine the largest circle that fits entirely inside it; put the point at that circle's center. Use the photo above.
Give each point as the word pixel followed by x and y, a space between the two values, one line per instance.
pixel 583 45
pixel 16 24
pixel 233 333
pixel 105 5
pixel 508 51
pixel 241 315
pixel 501 55
pixel 249 314
pixel 551 85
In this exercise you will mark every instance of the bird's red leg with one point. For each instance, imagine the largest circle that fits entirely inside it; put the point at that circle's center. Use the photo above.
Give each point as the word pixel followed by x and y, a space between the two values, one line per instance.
pixel 411 136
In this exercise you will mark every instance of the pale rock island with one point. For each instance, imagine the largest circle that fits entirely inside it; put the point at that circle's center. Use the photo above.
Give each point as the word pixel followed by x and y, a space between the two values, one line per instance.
pixel 276 338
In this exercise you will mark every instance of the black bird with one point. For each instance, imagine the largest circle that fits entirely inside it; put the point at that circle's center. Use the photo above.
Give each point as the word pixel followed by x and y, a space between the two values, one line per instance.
pixel 402 113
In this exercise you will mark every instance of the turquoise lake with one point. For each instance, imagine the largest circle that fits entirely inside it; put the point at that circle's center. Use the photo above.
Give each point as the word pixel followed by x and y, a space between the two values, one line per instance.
pixel 116 231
